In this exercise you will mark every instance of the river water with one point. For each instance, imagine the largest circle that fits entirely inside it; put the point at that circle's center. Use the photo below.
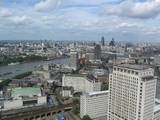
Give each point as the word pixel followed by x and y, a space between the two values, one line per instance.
pixel 13 70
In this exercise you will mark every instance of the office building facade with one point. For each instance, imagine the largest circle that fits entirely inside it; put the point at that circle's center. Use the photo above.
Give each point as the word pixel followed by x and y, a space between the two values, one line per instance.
pixel 132 91
pixel 94 104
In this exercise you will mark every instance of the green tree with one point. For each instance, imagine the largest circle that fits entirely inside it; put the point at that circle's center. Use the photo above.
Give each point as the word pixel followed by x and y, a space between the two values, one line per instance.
pixel 86 117
pixel 76 109
pixel 104 86
pixel 4 83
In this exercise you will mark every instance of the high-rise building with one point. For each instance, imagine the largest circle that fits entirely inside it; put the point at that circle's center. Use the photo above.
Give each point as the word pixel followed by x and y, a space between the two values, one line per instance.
pixel 157 71
pixel 158 89
pixel 97 52
pixel 132 92
pixel 102 41
pixel 73 61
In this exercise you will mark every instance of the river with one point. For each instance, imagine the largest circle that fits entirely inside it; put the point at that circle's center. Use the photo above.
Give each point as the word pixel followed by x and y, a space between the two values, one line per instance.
pixel 13 70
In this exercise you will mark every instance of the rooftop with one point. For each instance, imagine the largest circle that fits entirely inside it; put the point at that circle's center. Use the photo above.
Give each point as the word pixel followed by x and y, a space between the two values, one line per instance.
pixel 27 91
pixel 97 93
pixel 75 75
pixel 134 66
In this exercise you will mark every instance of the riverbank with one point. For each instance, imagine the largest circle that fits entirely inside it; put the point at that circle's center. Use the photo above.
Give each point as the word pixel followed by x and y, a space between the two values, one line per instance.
pixel 23 75
pixel 8 72
pixel 5 82
pixel 21 59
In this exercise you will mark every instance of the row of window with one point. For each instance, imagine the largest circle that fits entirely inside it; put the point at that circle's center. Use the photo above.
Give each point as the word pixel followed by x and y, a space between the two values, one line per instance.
pixel 126 71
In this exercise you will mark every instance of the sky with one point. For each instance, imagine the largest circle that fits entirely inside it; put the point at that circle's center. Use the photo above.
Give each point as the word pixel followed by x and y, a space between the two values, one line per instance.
pixel 125 20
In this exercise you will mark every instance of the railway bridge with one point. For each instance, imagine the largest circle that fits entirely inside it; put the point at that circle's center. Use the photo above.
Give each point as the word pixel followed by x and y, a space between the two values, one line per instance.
pixel 43 112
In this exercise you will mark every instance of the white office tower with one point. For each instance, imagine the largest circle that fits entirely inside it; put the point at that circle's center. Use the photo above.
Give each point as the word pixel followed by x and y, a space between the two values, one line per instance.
pixel 132 92
pixel 94 104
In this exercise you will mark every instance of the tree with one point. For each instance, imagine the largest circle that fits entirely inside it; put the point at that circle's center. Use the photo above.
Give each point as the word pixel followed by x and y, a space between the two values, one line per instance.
pixel 104 86
pixel 86 117
pixel 76 109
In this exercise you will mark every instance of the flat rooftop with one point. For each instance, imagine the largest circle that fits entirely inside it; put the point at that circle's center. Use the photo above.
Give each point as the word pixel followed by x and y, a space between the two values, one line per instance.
pixel 75 75
pixel 134 66
pixel 97 93
pixel 27 91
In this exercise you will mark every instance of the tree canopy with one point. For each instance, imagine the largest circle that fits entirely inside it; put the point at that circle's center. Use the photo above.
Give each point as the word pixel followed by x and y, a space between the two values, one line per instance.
pixel 86 117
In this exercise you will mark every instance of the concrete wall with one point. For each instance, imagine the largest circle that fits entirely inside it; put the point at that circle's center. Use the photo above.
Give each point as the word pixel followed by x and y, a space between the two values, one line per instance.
pixel 42 100
pixel 13 104
pixel 80 84
pixel 66 93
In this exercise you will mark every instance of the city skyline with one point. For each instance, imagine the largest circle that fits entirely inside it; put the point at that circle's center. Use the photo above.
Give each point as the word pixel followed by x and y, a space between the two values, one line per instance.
pixel 125 20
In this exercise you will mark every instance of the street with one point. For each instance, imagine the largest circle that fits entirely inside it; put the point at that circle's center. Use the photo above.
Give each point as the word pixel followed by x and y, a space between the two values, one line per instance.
pixel 69 116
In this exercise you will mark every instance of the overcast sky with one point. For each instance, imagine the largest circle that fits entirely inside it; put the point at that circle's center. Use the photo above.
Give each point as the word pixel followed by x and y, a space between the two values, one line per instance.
pixel 125 20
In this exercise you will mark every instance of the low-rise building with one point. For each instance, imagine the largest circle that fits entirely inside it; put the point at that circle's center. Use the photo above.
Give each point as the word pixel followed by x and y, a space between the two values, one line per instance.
pixel 157 109
pixel 43 73
pixel 27 96
pixel 94 104
pixel 67 91
pixel 81 83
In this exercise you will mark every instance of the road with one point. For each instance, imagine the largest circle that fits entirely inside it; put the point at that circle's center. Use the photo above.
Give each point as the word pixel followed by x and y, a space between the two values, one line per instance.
pixel 69 116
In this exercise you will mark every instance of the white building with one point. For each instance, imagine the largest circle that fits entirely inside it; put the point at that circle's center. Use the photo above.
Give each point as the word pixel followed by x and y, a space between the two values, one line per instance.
pixel 80 83
pixel 157 59
pixel 157 109
pixel 94 104
pixel 21 97
pixel 67 91
pixel 98 72
pixel 132 93
pixel 44 74
pixel 90 56
pixel 11 104
pixel 158 89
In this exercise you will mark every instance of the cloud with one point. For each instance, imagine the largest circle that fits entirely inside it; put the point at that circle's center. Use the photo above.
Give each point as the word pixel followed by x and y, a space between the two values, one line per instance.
pixel 90 2
pixel 87 2
pixel 127 25
pixel 5 12
pixel 134 9
pixel 84 18
pixel 152 30
pixel 21 20
pixel 46 5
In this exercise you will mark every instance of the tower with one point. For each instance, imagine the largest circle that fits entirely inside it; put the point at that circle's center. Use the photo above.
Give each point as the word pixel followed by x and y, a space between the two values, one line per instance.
pixel 132 92
pixel 102 41
pixel 97 51
pixel 73 61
